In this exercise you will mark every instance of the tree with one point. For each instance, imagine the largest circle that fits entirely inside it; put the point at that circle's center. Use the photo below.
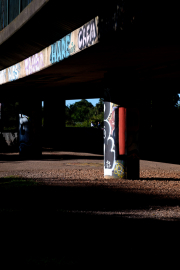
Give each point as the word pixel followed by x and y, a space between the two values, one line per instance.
pixel 80 111
pixel 83 112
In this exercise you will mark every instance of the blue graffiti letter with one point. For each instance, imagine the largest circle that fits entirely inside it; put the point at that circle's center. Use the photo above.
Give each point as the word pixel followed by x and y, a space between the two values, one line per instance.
pixel 63 47
pixel 68 40
pixel 53 53
pixel 58 49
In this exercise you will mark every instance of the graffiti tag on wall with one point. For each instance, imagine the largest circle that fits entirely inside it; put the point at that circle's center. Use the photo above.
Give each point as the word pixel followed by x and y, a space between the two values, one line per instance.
pixel 3 76
pixel 60 49
pixel 34 63
pixel 13 72
pixel 87 34
pixel 72 43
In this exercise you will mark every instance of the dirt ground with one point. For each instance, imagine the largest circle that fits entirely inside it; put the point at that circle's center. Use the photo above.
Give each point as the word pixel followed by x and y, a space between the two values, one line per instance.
pixel 82 219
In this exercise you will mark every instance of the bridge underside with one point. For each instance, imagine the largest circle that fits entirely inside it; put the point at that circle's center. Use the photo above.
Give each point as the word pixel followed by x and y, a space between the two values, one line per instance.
pixel 130 70
pixel 126 68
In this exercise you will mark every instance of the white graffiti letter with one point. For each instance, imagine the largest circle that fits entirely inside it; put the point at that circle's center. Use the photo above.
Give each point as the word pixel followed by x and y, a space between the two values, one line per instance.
pixel 88 34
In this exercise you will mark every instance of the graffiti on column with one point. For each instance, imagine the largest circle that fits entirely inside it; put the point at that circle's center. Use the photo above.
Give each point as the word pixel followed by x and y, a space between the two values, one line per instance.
pixel 87 34
pixel 109 143
pixel 113 166
pixel 34 63
pixel 119 168
pixel 13 72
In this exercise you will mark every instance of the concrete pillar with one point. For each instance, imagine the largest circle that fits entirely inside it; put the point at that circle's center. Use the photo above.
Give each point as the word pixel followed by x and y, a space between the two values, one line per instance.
pixel 133 124
pixel 54 123
pixel 30 124
pixel 115 141
pixel 121 148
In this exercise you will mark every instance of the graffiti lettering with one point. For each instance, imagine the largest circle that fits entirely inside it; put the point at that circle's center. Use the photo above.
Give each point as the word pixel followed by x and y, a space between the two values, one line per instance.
pixel 87 34
pixel 60 49
pixel 109 139
pixel 13 72
pixel 34 63
pixel 108 164
pixel 2 76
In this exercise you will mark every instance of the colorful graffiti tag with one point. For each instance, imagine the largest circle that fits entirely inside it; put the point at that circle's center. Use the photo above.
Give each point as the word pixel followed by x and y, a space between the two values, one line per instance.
pixel 3 76
pixel 34 63
pixel 13 72
pixel 79 39
pixel 60 49
pixel 87 34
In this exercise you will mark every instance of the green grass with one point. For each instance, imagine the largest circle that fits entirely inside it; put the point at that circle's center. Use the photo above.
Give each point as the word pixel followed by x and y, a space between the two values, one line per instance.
pixel 15 181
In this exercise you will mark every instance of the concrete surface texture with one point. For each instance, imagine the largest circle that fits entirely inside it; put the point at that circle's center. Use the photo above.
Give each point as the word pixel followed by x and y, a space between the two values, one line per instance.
pixel 55 164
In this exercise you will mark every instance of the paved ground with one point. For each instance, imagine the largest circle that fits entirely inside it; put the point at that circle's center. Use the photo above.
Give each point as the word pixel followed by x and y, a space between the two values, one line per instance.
pixel 160 180
pixel 79 216
pixel 12 162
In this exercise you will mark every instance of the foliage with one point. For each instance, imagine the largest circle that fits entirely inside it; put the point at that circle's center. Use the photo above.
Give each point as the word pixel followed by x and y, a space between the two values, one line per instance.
pixel 10 112
pixel 82 113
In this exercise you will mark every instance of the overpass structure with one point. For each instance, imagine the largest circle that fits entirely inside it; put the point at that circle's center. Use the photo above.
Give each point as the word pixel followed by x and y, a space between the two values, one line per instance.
pixel 124 51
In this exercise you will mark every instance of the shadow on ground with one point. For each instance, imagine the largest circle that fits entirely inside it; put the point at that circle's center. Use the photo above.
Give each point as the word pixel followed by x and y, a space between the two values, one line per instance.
pixel 49 157
pixel 44 226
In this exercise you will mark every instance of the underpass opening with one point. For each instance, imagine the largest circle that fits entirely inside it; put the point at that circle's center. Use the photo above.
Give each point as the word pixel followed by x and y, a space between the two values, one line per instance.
pixel 84 125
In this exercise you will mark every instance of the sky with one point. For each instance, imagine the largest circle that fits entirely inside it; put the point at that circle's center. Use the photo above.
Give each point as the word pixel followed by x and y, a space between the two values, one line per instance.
pixel 94 101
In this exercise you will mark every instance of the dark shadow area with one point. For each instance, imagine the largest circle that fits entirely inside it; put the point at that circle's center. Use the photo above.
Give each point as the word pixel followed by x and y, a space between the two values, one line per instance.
pixel 170 157
pixel 74 139
pixel 158 179
pixel 38 227
pixel 8 148
pixel 49 157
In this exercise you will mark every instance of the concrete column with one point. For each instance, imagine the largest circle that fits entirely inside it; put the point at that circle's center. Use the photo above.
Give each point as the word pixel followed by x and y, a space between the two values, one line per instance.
pixel 121 148
pixel 54 123
pixel 30 125
pixel 115 141
pixel 133 123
